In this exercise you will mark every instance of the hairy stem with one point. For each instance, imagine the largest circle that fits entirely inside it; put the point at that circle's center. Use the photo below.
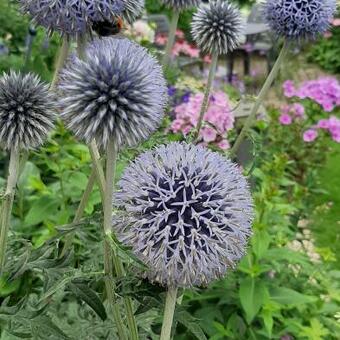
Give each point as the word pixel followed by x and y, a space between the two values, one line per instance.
pixel 118 266
pixel 7 203
pixel 169 310
pixel 63 53
pixel 111 155
pixel 171 39
pixel 205 103
pixel 261 97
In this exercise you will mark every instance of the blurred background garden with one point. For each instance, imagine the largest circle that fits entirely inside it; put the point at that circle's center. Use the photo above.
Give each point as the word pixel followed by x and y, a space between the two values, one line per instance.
pixel 287 286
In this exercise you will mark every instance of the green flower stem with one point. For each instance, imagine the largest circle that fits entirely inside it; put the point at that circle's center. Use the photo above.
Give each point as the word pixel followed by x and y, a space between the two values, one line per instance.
pixel 111 154
pixel 7 203
pixel 169 310
pixel 110 254
pixel 63 53
pixel 171 39
pixel 205 103
pixel 259 100
pixel 95 156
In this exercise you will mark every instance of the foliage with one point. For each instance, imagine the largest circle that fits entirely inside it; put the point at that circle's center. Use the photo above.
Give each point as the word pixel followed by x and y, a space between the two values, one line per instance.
pixel 326 51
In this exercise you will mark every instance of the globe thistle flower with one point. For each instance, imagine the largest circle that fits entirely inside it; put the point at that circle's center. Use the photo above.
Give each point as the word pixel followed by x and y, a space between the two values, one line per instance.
pixel 117 92
pixel 70 17
pixel 27 111
pixel 216 27
pixel 132 10
pixel 180 5
pixel 188 214
pixel 299 19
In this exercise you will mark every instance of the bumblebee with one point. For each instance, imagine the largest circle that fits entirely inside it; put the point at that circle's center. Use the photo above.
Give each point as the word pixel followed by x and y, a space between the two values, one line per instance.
pixel 106 28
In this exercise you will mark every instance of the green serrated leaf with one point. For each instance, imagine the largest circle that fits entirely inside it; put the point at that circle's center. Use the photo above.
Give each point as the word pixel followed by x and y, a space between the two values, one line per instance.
pixel 191 324
pixel 89 296
pixel 44 325
pixel 287 296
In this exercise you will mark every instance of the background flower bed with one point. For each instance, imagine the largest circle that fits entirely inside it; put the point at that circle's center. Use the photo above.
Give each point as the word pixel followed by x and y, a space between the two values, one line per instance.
pixel 286 287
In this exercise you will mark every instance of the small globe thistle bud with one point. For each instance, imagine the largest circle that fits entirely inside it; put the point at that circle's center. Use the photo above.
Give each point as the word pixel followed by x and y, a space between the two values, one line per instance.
pixel 180 5
pixel 27 111
pixel 70 17
pixel 133 9
pixel 187 213
pixel 299 19
pixel 117 92
pixel 216 27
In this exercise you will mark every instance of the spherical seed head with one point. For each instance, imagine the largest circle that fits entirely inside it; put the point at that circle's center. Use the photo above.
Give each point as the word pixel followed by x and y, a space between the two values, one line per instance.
pixel 27 111
pixel 133 9
pixel 216 27
pixel 180 5
pixel 71 17
pixel 117 93
pixel 188 214
pixel 299 19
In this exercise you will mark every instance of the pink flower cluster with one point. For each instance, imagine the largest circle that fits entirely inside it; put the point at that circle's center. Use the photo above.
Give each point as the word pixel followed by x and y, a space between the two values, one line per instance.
pixel 181 46
pixel 325 91
pixel 218 119
pixel 290 113
pixel 330 125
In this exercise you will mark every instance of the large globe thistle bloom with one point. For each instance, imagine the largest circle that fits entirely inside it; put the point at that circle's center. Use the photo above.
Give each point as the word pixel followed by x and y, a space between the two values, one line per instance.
pixel 117 92
pixel 216 27
pixel 188 214
pixel 180 5
pixel 299 19
pixel 132 10
pixel 71 17
pixel 27 111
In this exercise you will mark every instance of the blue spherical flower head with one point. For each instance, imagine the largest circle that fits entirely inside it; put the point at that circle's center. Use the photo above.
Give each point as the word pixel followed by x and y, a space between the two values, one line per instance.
pixel 132 10
pixel 117 92
pixel 71 17
pixel 180 5
pixel 186 212
pixel 299 19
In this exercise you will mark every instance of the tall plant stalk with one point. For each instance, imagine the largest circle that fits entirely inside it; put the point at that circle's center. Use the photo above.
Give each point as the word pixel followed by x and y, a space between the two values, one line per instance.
pixel 261 97
pixel 63 53
pixel 171 39
pixel 169 310
pixel 7 203
pixel 205 103
pixel 109 253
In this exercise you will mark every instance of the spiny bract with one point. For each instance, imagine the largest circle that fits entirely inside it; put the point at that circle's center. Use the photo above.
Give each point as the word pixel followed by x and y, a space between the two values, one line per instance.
pixel 132 10
pixel 117 92
pixel 179 5
pixel 217 27
pixel 71 17
pixel 299 19
pixel 187 213
pixel 27 111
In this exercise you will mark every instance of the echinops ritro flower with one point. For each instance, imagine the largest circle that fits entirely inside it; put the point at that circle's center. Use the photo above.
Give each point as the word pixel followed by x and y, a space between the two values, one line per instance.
pixel 217 27
pixel 27 111
pixel 117 92
pixel 71 17
pixel 299 19
pixel 180 5
pixel 132 10
pixel 186 212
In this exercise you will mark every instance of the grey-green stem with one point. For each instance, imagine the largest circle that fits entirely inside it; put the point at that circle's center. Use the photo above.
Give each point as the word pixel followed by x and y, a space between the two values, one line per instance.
pixel 205 103
pixel 260 99
pixel 63 54
pixel 7 203
pixel 171 39
pixel 169 310
pixel 111 155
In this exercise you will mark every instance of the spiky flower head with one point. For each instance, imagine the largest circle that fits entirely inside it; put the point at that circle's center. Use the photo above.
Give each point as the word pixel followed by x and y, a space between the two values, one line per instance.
pixel 71 17
pixel 187 214
pixel 299 19
pixel 180 5
pixel 216 27
pixel 27 111
pixel 116 92
pixel 133 9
